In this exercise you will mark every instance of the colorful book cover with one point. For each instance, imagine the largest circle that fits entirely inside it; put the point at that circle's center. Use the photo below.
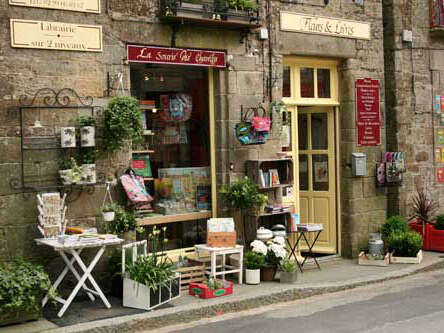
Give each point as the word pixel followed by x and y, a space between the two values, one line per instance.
pixel 440 175
pixel 203 197
pixel 440 136
pixel 438 104
pixel 438 155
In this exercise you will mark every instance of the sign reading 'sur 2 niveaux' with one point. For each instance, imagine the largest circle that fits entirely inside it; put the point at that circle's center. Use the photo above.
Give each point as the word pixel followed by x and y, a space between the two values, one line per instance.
pixel 88 6
pixel 56 36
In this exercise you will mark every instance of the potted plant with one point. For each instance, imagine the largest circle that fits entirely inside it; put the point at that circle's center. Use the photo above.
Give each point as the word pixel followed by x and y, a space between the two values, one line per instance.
pixel 254 261
pixel 124 224
pixel 241 10
pixel 122 122
pixel 70 172
pixel 109 212
pixel 423 209
pixel 405 247
pixel 88 159
pixel 68 137
pixel 241 195
pixel 150 280
pixel 437 234
pixel 87 131
pixel 288 271
pixel 274 252
pixel 22 287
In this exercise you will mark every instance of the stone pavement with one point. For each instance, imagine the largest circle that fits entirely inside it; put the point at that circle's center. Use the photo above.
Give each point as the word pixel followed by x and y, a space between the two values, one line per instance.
pixel 336 275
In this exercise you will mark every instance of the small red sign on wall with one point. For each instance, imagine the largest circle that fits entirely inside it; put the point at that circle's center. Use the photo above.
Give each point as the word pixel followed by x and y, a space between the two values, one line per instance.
pixel 176 56
pixel 368 112
pixel 440 175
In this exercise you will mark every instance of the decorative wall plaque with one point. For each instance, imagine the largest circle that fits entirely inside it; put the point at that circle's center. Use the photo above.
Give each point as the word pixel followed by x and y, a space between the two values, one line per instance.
pixel 88 6
pixel 56 36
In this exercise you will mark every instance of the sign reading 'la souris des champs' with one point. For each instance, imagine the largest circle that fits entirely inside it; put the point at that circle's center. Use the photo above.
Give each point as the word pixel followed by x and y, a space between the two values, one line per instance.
pixel 87 6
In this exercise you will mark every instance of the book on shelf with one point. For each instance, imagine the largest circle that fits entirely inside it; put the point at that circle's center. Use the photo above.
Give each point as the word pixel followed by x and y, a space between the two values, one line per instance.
pixel 277 208
pixel 268 179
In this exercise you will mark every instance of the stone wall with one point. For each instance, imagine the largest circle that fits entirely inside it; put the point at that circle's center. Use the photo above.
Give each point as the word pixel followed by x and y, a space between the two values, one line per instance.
pixel 243 83
pixel 415 74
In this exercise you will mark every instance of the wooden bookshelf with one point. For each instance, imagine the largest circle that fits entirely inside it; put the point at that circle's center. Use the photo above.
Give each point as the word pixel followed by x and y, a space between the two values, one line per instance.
pixel 163 219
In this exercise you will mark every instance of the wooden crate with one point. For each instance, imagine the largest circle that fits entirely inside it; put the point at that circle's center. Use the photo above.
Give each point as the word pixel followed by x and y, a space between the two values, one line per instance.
pixel 191 274
pixel 364 261
pixel 221 239
pixel 405 260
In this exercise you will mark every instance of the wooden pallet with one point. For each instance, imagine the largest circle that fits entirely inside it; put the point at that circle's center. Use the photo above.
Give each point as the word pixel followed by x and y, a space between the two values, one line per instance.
pixel 190 274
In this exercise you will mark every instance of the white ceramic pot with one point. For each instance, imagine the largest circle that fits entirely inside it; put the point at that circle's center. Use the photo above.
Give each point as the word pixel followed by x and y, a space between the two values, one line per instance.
pixel 66 176
pixel 252 276
pixel 87 136
pixel 68 137
pixel 108 216
pixel 89 173
pixel 264 234
pixel 279 230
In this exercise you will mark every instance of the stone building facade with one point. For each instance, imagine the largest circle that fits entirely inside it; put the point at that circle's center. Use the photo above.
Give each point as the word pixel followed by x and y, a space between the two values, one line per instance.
pixel 414 77
pixel 254 75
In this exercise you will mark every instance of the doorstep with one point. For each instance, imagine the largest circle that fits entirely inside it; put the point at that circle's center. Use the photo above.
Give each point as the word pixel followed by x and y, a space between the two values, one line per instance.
pixel 334 276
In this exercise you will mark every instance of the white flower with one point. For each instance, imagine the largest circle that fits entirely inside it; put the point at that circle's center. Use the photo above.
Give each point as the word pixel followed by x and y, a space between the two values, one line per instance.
pixel 278 250
pixel 259 247
pixel 279 240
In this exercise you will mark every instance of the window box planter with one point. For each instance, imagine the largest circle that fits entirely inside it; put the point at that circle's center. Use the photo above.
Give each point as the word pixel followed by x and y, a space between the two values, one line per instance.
pixel 424 229
pixel 203 291
pixel 406 260
pixel 17 317
pixel 139 296
pixel 436 239
pixel 365 261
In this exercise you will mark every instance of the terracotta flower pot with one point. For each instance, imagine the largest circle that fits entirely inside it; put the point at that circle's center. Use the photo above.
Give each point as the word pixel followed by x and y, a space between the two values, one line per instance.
pixel 268 273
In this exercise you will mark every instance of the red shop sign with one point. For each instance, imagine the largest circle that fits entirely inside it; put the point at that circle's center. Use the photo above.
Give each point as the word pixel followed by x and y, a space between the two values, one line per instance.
pixel 175 56
pixel 368 112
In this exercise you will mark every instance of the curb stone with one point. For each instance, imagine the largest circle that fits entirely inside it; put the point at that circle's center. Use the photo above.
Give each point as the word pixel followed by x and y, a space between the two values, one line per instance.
pixel 162 318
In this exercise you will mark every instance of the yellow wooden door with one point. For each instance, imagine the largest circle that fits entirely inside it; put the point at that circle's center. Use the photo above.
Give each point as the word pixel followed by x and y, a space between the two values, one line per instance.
pixel 317 173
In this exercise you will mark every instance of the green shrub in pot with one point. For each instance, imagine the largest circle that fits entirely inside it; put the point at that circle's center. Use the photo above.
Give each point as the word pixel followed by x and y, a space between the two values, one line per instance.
pixel 394 224
pixel 124 220
pixel 122 122
pixel 22 287
pixel 242 194
pixel 405 243
pixel 254 260
pixel 439 222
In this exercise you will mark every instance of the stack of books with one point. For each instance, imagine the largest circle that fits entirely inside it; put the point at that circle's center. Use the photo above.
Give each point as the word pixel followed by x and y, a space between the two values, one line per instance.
pixel 268 178
pixel 310 227
pixel 277 208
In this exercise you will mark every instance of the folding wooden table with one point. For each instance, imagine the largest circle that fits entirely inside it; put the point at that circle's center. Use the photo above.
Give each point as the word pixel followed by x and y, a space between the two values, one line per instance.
pixel 75 249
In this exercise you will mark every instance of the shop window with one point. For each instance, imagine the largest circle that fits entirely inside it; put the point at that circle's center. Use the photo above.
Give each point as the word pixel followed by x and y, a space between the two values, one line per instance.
pixel 319 131
pixel 176 149
pixel 320 172
pixel 286 89
pixel 307 82
pixel 323 83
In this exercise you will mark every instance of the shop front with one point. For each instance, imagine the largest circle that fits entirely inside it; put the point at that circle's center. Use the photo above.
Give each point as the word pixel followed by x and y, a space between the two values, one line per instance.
pixel 176 93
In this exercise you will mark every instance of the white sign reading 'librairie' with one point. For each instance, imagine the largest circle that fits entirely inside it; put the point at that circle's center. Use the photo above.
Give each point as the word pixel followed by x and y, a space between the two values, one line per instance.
pixel 88 6
pixel 56 36
pixel 324 26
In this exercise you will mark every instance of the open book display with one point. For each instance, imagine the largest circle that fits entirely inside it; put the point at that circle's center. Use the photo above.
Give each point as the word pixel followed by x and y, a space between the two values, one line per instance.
pixel 52 212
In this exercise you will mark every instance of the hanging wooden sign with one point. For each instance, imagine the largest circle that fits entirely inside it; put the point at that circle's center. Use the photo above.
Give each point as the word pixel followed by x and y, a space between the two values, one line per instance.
pixel 368 112
pixel 56 36
pixel 176 56
pixel 88 6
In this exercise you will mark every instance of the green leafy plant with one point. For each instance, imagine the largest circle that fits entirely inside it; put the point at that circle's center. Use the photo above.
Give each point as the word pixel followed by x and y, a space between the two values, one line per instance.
pixel 22 286
pixel 248 5
pixel 86 121
pixel 88 155
pixel 423 206
pixel 242 194
pixel 254 260
pixel 66 163
pixel 405 244
pixel 439 222
pixel 122 122
pixel 287 266
pixel 214 284
pixel 124 221
pixel 156 269
pixel 394 224
pixel 112 207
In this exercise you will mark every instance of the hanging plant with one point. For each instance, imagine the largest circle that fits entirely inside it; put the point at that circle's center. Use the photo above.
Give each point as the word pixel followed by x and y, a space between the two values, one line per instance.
pixel 122 122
